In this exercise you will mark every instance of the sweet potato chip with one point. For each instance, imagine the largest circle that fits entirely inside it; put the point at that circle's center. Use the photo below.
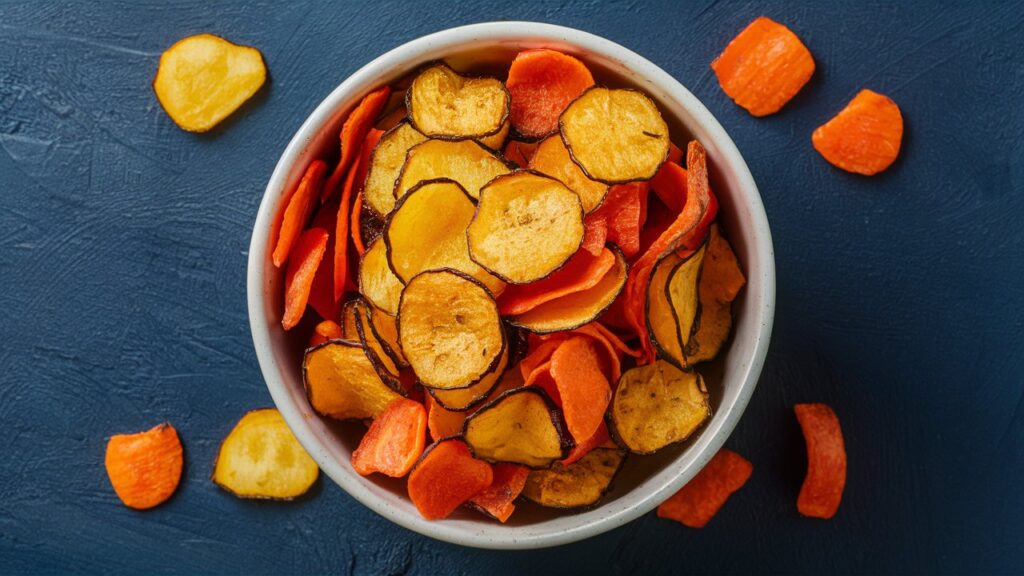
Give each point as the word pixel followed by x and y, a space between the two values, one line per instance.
pixel 386 165
pixel 497 140
pixel 579 308
pixel 467 162
pixel 382 361
pixel 202 79
pixel 822 490
pixel 385 330
pixel 394 442
pixel 449 329
pixel 615 135
pixel 721 280
pixel 342 383
pixel 377 282
pixel 427 231
pixel 763 67
pixel 445 477
pixel 657 405
pixel 673 304
pixel 262 459
pixel 526 226
pixel 700 499
pixel 348 320
pixel 442 104
pixel 145 468
pixel 465 399
pixel 577 485
pixel 522 426
pixel 551 158
pixel 865 137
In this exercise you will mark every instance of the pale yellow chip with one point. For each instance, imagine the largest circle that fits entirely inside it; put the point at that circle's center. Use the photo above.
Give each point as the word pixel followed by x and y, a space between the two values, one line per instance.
pixel 348 321
pixel 449 329
pixel 202 79
pixel 525 227
pixel 385 328
pixel 672 304
pixel 386 164
pixel 615 135
pixel 683 294
pixel 427 231
pixel 462 399
pixel 657 405
pixel 520 427
pixel 377 282
pixel 466 162
pixel 341 382
pixel 261 458
pixel 443 104
pixel 496 141
pixel 381 360
pixel 579 484
pixel 552 158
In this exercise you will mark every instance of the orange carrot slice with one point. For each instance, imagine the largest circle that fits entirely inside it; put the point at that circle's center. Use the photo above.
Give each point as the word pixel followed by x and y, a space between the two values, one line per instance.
pixel 542 83
pixel 595 233
pixel 519 152
pixel 353 132
pixel 298 280
pixel 865 137
pixel 321 293
pixel 582 271
pixel 822 489
pixel 497 500
pixel 324 331
pixel 612 344
pixel 686 231
pixel 443 423
pixel 144 468
pixel 353 224
pixel 697 502
pixel 583 448
pixel 541 377
pixel 584 389
pixel 300 206
pixel 356 175
pixel 540 354
pixel 394 441
pixel 669 185
pixel 763 67
pixel 445 477
pixel 624 211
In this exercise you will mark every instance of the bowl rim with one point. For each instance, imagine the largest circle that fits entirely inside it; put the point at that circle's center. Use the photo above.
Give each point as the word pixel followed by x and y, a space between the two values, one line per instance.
pixel 712 437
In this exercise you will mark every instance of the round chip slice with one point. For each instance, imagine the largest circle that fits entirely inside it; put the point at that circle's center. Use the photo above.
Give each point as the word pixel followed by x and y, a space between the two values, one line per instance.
pixel 657 405
pixel 386 164
pixel 467 162
pixel 525 227
pixel 552 158
pixel 443 104
pixel 615 135
pixel 449 329
pixel 427 231
pixel 377 281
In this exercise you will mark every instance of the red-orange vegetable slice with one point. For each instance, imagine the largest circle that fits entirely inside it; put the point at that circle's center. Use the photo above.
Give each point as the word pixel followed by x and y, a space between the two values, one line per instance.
pixel 624 211
pixel 445 477
pixel 324 331
pixel 865 137
pixel 298 210
pixel 519 152
pixel 394 441
pixel 540 354
pixel 309 251
pixel 542 84
pixel 443 423
pixel 356 175
pixel 598 438
pixel 583 388
pixel 541 378
pixel 353 224
pixel 595 233
pixel 497 500
pixel 581 272
pixel 321 293
pixel 688 230
pixel 353 133
pixel 669 185
pixel 826 461
pixel 613 345
pixel 697 502
pixel 144 468
pixel 763 67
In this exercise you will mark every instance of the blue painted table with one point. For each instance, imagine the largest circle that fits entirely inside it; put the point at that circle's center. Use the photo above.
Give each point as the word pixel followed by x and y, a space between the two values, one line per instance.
pixel 122 295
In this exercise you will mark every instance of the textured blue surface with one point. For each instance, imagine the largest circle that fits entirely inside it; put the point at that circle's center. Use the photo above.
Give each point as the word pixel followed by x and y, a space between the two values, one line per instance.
pixel 900 300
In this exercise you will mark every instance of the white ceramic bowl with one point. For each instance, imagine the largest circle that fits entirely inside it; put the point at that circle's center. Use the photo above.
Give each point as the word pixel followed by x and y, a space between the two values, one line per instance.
pixel 644 482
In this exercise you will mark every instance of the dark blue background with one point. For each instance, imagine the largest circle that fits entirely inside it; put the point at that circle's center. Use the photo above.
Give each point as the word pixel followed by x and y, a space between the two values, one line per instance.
pixel 900 301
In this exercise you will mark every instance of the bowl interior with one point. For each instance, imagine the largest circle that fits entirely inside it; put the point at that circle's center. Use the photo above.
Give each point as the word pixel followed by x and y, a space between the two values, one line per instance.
pixel 644 480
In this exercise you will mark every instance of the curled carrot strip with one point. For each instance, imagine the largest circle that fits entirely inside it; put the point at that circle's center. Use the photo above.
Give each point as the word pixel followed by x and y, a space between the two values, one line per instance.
pixel 696 503
pixel 297 212
pixel 298 281
pixel 356 126
pixel 822 489
pixel 356 175
pixel 582 271
pixel 582 386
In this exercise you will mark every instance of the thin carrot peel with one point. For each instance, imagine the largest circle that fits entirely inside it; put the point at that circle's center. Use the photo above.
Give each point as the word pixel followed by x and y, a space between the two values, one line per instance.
pixel 394 441
pixel 582 271
pixel 298 210
pixel 356 175
pixel 542 83
pixel 764 67
pixel 321 293
pixel 699 500
pixel 822 490
pixel 302 266
pixel 865 137
pixel 145 468
pixel 583 388
pixel 497 499
pixel 353 225
pixel 353 131
pixel 445 477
